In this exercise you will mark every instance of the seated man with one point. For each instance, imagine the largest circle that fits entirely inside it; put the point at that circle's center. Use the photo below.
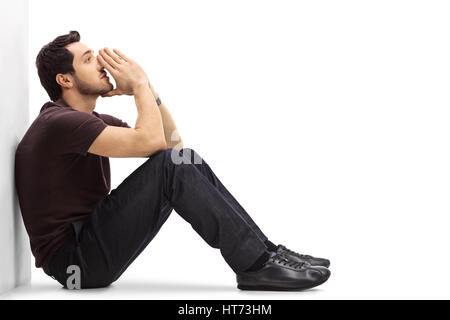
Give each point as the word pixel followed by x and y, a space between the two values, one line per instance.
pixel 63 180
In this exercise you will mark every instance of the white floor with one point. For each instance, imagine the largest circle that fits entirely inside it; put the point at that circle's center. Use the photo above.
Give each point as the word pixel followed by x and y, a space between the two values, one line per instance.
pixel 343 284
pixel 152 289
pixel 188 269
pixel 211 288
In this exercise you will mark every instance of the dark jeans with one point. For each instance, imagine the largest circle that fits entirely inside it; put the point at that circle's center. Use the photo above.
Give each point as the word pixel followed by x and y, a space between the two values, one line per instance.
pixel 125 221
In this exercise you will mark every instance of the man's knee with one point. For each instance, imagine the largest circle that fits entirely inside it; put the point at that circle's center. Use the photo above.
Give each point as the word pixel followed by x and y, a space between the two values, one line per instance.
pixel 184 156
pixel 172 156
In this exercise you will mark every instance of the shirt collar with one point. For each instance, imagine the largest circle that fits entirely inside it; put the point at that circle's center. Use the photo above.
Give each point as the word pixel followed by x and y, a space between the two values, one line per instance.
pixel 61 103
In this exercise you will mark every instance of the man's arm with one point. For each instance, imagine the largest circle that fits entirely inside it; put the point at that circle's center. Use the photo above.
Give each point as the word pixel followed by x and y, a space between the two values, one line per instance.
pixel 171 134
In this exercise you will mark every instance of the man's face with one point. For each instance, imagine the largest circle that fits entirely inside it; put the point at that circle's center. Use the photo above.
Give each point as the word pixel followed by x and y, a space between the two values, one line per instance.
pixel 88 71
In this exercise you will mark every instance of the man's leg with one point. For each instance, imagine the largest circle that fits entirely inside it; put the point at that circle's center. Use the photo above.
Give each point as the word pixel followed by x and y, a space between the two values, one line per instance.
pixel 122 224
pixel 204 168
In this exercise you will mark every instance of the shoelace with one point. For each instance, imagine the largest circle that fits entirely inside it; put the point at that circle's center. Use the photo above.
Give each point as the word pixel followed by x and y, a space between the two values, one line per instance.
pixel 296 253
pixel 285 261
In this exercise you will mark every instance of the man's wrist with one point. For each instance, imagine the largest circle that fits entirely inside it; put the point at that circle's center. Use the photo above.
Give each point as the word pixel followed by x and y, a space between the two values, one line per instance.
pixel 158 101
pixel 138 88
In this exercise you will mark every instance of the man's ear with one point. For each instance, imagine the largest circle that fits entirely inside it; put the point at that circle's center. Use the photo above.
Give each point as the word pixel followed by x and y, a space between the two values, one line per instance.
pixel 64 80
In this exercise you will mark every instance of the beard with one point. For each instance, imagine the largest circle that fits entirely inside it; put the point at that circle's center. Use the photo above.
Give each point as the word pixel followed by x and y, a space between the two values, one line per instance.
pixel 88 89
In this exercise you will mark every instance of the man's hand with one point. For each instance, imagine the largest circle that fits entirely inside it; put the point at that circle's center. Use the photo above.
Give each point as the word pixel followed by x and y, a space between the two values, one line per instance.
pixel 125 71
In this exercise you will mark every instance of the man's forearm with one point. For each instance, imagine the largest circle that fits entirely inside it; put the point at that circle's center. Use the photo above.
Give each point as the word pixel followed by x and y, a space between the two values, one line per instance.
pixel 172 136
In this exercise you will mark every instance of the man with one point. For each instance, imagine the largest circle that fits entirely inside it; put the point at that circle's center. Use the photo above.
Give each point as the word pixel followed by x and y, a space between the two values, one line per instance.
pixel 63 180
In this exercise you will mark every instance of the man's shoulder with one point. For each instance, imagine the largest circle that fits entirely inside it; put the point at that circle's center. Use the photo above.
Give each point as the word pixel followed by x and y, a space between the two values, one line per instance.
pixel 107 118
pixel 51 105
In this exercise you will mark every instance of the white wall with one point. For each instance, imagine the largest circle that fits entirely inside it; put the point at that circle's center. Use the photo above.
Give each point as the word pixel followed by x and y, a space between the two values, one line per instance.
pixel 14 242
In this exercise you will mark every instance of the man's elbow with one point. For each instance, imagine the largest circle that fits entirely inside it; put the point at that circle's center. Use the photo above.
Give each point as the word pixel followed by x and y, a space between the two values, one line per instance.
pixel 163 144
pixel 176 145
pixel 157 145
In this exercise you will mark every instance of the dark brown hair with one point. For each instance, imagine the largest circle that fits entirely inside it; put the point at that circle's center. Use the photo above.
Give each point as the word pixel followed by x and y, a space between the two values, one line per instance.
pixel 54 58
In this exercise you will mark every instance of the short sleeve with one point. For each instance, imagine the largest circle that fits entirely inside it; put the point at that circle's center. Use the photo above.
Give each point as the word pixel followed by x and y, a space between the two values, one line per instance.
pixel 113 121
pixel 74 131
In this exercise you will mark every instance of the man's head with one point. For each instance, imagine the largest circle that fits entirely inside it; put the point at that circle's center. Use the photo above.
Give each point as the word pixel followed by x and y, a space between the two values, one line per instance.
pixel 67 64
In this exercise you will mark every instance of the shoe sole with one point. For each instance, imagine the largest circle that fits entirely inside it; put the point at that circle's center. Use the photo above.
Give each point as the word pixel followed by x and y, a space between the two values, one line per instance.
pixel 321 265
pixel 276 288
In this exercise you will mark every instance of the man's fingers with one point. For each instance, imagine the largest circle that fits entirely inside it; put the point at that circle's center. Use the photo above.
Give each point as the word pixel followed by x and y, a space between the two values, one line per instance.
pixel 113 56
pixel 106 65
pixel 121 55
pixel 107 58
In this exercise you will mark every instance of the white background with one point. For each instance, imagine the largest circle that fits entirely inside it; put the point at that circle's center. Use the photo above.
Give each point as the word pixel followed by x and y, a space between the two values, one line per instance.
pixel 327 120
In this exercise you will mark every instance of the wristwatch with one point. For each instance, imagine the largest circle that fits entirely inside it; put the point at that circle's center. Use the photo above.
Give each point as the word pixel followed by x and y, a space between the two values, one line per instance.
pixel 158 101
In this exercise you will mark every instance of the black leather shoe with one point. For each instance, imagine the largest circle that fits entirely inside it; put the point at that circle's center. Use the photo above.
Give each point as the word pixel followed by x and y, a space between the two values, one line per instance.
pixel 282 250
pixel 281 273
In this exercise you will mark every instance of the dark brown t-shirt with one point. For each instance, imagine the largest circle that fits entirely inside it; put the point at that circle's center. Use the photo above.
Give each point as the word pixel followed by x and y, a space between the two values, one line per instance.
pixel 57 180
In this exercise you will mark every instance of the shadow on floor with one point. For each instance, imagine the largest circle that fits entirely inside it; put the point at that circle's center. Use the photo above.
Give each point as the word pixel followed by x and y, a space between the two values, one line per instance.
pixel 147 287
